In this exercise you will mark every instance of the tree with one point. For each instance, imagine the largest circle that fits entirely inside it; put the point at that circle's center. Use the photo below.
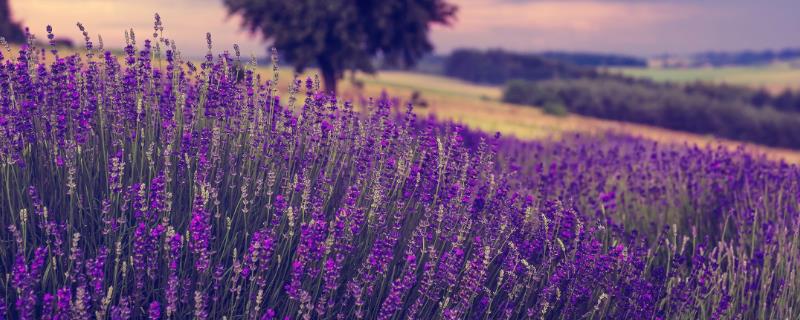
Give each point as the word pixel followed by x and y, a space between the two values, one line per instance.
pixel 341 35
pixel 9 29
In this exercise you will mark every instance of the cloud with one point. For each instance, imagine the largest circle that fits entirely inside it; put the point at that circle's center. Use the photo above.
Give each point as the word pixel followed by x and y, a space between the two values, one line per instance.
pixel 572 25
pixel 574 16
pixel 629 26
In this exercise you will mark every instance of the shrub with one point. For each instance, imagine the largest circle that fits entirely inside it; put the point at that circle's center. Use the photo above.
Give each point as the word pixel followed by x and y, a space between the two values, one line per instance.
pixel 554 108
pixel 590 59
pixel 692 108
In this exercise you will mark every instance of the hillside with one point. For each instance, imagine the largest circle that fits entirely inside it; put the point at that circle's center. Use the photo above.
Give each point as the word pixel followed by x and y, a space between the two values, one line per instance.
pixel 479 107
pixel 774 77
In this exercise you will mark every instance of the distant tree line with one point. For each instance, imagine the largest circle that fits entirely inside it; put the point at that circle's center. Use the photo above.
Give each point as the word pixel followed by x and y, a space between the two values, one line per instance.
pixel 724 111
pixel 590 59
pixel 745 58
pixel 722 59
pixel 498 67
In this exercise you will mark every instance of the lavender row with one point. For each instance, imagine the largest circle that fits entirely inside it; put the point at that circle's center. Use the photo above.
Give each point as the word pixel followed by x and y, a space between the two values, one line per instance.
pixel 141 185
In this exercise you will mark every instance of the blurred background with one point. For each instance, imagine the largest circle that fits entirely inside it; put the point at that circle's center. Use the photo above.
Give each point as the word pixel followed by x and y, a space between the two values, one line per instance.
pixel 706 72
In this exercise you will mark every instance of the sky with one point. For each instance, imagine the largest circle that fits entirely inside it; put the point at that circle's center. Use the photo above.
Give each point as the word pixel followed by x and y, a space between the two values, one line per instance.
pixel 638 27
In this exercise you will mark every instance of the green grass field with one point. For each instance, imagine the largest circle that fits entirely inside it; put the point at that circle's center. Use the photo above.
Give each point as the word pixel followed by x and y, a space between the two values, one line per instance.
pixel 773 77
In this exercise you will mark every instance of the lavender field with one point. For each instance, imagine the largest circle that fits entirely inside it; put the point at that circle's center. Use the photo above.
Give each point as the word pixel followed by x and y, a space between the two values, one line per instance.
pixel 144 186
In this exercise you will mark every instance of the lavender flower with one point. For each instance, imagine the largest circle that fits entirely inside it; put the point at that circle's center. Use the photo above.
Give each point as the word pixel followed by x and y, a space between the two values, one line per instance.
pixel 154 311
pixel 197 190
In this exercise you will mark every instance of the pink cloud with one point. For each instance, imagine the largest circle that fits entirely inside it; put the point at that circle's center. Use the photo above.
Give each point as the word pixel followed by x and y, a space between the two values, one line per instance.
pixel 558 24
pixel 575 16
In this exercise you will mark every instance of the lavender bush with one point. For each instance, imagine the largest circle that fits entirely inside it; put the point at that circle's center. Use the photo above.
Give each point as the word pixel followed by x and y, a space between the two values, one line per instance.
pixel 145 186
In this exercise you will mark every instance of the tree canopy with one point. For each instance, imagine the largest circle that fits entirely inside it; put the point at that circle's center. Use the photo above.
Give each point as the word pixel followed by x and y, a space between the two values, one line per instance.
pixel 8 28
pixel 341 35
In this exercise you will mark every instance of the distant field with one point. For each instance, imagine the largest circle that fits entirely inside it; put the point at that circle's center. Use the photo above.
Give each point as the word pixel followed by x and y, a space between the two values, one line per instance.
pixel 775 77
pixel 479 107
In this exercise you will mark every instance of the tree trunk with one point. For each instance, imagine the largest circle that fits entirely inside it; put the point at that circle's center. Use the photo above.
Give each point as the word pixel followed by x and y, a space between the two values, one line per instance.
pixel 328 75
